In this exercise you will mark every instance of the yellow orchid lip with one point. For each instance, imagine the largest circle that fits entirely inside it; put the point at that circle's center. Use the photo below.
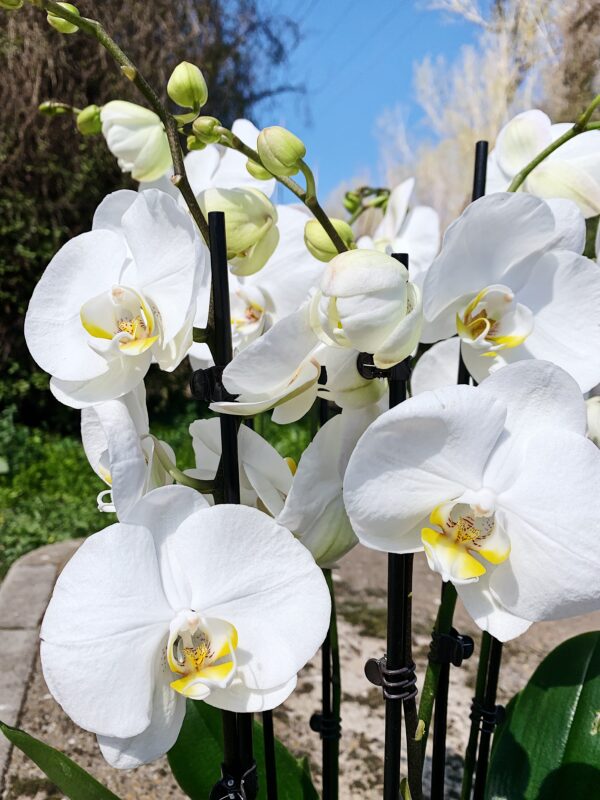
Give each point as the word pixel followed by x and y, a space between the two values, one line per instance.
pixel 202 651
pixel 123 313
pixel 494 320
pixel 466 535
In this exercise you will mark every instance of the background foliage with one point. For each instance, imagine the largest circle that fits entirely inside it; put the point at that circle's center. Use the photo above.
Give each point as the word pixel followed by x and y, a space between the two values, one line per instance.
pixel 52 179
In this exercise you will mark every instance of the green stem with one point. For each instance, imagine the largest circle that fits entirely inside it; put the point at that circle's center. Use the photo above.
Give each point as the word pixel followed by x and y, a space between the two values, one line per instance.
pixel 471 751
pixel 336 676
pixel 311 187
pixel 205 487
pixel 581 126
pixel 442 625
pixel 232 141
pixel 95 29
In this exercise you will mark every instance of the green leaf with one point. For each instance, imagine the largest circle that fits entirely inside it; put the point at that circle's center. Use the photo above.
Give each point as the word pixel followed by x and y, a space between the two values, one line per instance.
pixel 549 744
pixel 196 757
pixel 69 777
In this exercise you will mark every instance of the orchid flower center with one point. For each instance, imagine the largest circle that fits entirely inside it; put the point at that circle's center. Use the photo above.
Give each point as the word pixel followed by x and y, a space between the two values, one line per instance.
pixel 122 314
pixel 494 321
pixel 248 315
pixel 466 532
pixel 202 651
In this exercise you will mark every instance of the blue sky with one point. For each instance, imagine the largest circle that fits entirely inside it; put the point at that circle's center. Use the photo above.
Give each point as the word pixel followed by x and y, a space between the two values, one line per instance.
pixel 356 60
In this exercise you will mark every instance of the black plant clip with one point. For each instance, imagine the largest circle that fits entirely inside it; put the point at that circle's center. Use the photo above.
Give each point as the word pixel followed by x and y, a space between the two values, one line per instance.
pixel 367 369
pixel 397 684
pixel 450 648
pixel 487 719
pixel 326 726
pixel 229 789
pixel 207 386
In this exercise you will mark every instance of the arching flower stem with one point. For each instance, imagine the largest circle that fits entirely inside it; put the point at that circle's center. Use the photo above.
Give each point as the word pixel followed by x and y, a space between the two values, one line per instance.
pixel 581 126
pixel 94 29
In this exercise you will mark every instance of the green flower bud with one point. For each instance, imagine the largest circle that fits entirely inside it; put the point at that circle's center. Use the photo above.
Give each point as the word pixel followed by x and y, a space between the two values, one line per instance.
pixel 194 144
pixel 351 202
pixel 250 226
pixel 204 129
pixel 280 151
pixel 11 5
pixel 62 25
pixel 318 242
pixel 257 171
pixel 187 86
pixel 88 121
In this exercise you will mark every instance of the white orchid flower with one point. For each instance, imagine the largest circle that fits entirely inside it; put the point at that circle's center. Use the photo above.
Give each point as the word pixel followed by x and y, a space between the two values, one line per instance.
pixel 436 368
pixel 415 231
pixel 572 171
pixel 219 167
pixel 498 484
pixel 137 138
pixel 314 508
pixel 117 442
pixel 367 303
pixel 113 299
pixel 278 371
pixel 259 301
pixel 265 477
pixel 219 604
pixel 505 283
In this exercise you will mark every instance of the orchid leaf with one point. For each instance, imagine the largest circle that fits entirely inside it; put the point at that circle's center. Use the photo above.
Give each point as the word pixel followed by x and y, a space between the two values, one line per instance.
pixel 549 744
pixel 71 779
pixel 196 757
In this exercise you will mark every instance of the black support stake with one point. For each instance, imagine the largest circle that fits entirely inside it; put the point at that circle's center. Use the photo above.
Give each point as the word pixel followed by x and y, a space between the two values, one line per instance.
pixel 238 765
pixel 489 716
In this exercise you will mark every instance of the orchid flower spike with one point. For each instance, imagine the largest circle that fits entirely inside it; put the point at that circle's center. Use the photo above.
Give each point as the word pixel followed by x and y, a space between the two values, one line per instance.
pixel 407 230
pixel 314 508
pixel 116 298
pixel 116 441
pixel 137 138
pixel 498 484
pixel 265 477
pixel 219 604
pixel 572 171
pixel 510 281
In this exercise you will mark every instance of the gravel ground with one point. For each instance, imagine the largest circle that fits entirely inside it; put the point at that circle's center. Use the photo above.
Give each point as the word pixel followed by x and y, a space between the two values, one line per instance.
pixel 361 598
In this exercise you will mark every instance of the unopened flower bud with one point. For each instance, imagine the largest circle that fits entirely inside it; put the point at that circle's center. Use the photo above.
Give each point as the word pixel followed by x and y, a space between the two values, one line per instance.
pixel 187 86
pixel 250 227
pixel 204 129
pixel 280 151
pixel 194 144
pixel 63 25
pixel 257 170
pixel 11 5
pixel 351 202
pixel 88 121
pixel 317 239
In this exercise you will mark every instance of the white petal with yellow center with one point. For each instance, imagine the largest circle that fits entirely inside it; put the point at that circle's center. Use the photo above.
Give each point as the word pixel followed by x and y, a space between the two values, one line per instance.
pixel 493 320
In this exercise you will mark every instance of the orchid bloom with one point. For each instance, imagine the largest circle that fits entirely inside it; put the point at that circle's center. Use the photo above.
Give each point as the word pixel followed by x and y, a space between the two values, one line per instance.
pixel 510 281
pixel 498 484
pixel 277 371
pixel 184 600
pixel 367 303
pixel 265 477
pixel 572 171
pixel 259 301
pixel 137 138
pixel 314 508
pixel 415 231
pixel 117 442
pixel 114 299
